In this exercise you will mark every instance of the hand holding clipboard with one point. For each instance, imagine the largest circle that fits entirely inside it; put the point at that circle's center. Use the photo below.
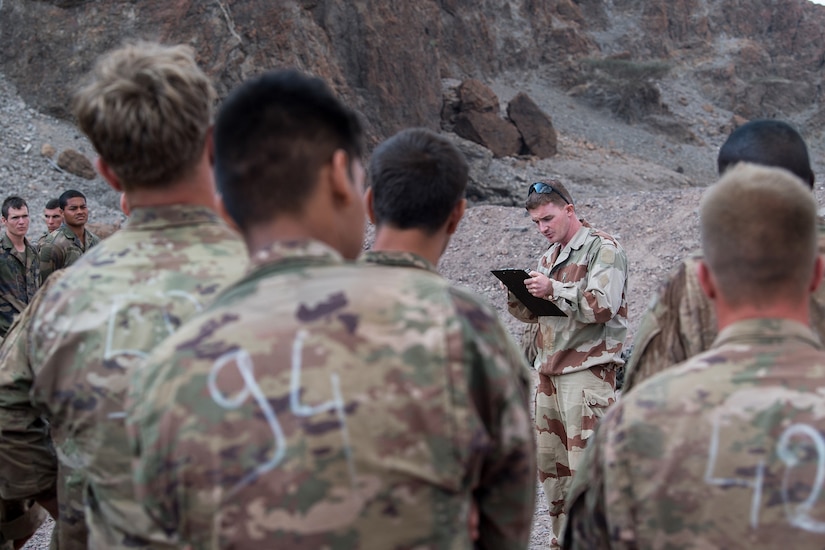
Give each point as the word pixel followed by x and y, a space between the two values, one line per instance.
pixel 513 279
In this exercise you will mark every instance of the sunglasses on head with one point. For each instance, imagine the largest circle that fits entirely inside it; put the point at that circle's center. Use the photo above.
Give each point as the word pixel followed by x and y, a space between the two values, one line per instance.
pixel 545 189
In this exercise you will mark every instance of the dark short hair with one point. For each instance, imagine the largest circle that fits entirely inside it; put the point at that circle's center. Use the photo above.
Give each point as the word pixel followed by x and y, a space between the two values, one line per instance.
pixel 12 202
pixel 771 143
pixel 417 178
pixel 560 197
pixel 70 194
pixel 52 204
pixel 273 135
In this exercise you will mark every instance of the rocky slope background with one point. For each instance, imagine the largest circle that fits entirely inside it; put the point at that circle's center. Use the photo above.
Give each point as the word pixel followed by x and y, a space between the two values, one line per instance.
pixel 627 101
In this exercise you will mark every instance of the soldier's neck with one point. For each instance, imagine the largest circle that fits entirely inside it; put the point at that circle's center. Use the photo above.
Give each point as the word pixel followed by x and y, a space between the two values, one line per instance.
pixel 78 230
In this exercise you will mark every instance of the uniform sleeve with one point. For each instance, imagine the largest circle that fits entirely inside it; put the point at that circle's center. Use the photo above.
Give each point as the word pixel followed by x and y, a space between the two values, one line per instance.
pixel 602 296
pixel 51 259
pixel 519 310
pixel 28 465
pixel 152 471
pixel 499 387
pixel 678 324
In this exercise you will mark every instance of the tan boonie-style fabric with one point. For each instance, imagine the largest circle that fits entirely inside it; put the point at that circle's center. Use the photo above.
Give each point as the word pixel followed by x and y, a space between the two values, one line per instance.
pixel 325 404
pixel 68 360
pixel 724 451
pixel 681 322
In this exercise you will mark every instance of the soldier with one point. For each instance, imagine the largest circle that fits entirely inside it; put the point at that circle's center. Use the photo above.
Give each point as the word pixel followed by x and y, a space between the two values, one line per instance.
pixel 53 217
pixel 67 243
pixel 19 264
pixel 19 280
pixel 584 273
pixel 726 450
pixel 147 110
pixel 681 323
pixel 416 200
pixel 322 403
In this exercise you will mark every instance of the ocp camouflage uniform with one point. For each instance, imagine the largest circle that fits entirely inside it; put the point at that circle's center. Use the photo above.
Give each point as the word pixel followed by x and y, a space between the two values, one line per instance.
pixel 577 354
pixel 19 280
pixel 70 356
pixel 725 451
pixel 61 248
pixel 321 404
pixel 680 321
pixel 410 260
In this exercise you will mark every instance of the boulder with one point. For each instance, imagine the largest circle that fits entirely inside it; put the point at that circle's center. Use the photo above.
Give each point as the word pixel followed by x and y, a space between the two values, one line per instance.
pixel 490 130
pixel 534 125
pixel 76 163
pixel 475 96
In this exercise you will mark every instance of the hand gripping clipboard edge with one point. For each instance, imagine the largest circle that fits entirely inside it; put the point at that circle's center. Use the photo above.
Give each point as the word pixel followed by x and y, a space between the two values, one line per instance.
pixel 513 279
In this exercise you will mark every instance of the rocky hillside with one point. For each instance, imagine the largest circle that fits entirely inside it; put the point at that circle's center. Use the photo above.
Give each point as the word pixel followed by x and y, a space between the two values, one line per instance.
pixel 683 72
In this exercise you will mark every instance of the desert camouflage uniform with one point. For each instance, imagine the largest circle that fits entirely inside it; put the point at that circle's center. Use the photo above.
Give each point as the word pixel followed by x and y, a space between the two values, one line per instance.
pixel 19 280
pixel 81 338
pixel 577 354
pixel 321 404
pixel 724 451
pixel 681 322
pixel 62 248
pixel 42 239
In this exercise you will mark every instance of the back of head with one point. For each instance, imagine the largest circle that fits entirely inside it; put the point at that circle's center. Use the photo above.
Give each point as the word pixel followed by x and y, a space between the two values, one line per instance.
pixel 767 143
pixel 12 202
pixel 273 136
pixel 549 190
pixel 417 179
pixel 147 109
pixel 759 235
pixel 63 199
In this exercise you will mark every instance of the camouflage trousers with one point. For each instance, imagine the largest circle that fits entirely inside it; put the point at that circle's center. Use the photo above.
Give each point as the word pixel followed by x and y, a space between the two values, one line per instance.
pixel 18 521
pixel 568 407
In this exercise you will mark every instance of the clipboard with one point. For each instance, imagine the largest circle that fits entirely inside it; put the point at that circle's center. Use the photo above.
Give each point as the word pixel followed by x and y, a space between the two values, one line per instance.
pixel 513 279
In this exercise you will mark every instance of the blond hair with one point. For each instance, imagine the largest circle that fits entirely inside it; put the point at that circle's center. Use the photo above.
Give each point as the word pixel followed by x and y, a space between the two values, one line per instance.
pixel 759 234
pixel 147 109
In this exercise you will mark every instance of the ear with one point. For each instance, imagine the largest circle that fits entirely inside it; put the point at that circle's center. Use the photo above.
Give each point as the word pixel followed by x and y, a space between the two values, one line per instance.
pixel 819 270
pixel 210 145
pixel 706 280
pixel 124 205
pixel 455 216
pixel 108 174
pixel 369 199
pixel 343 187
pixel 220 208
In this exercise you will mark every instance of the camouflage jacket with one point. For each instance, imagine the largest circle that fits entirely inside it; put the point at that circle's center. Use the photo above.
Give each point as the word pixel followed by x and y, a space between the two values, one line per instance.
pixel 398 259
pixel 324 404
pixel 19 280
pixel 589 285
pixel 69 358
pixel 62 248
pixel 725 451
pixel 680 322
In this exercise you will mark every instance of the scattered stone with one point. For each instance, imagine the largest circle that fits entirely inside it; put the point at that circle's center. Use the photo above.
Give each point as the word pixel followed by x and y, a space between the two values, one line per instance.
pixel 535 126
pixel 488 129
pixel 48 150
pixel 476 96
pixel 76 163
